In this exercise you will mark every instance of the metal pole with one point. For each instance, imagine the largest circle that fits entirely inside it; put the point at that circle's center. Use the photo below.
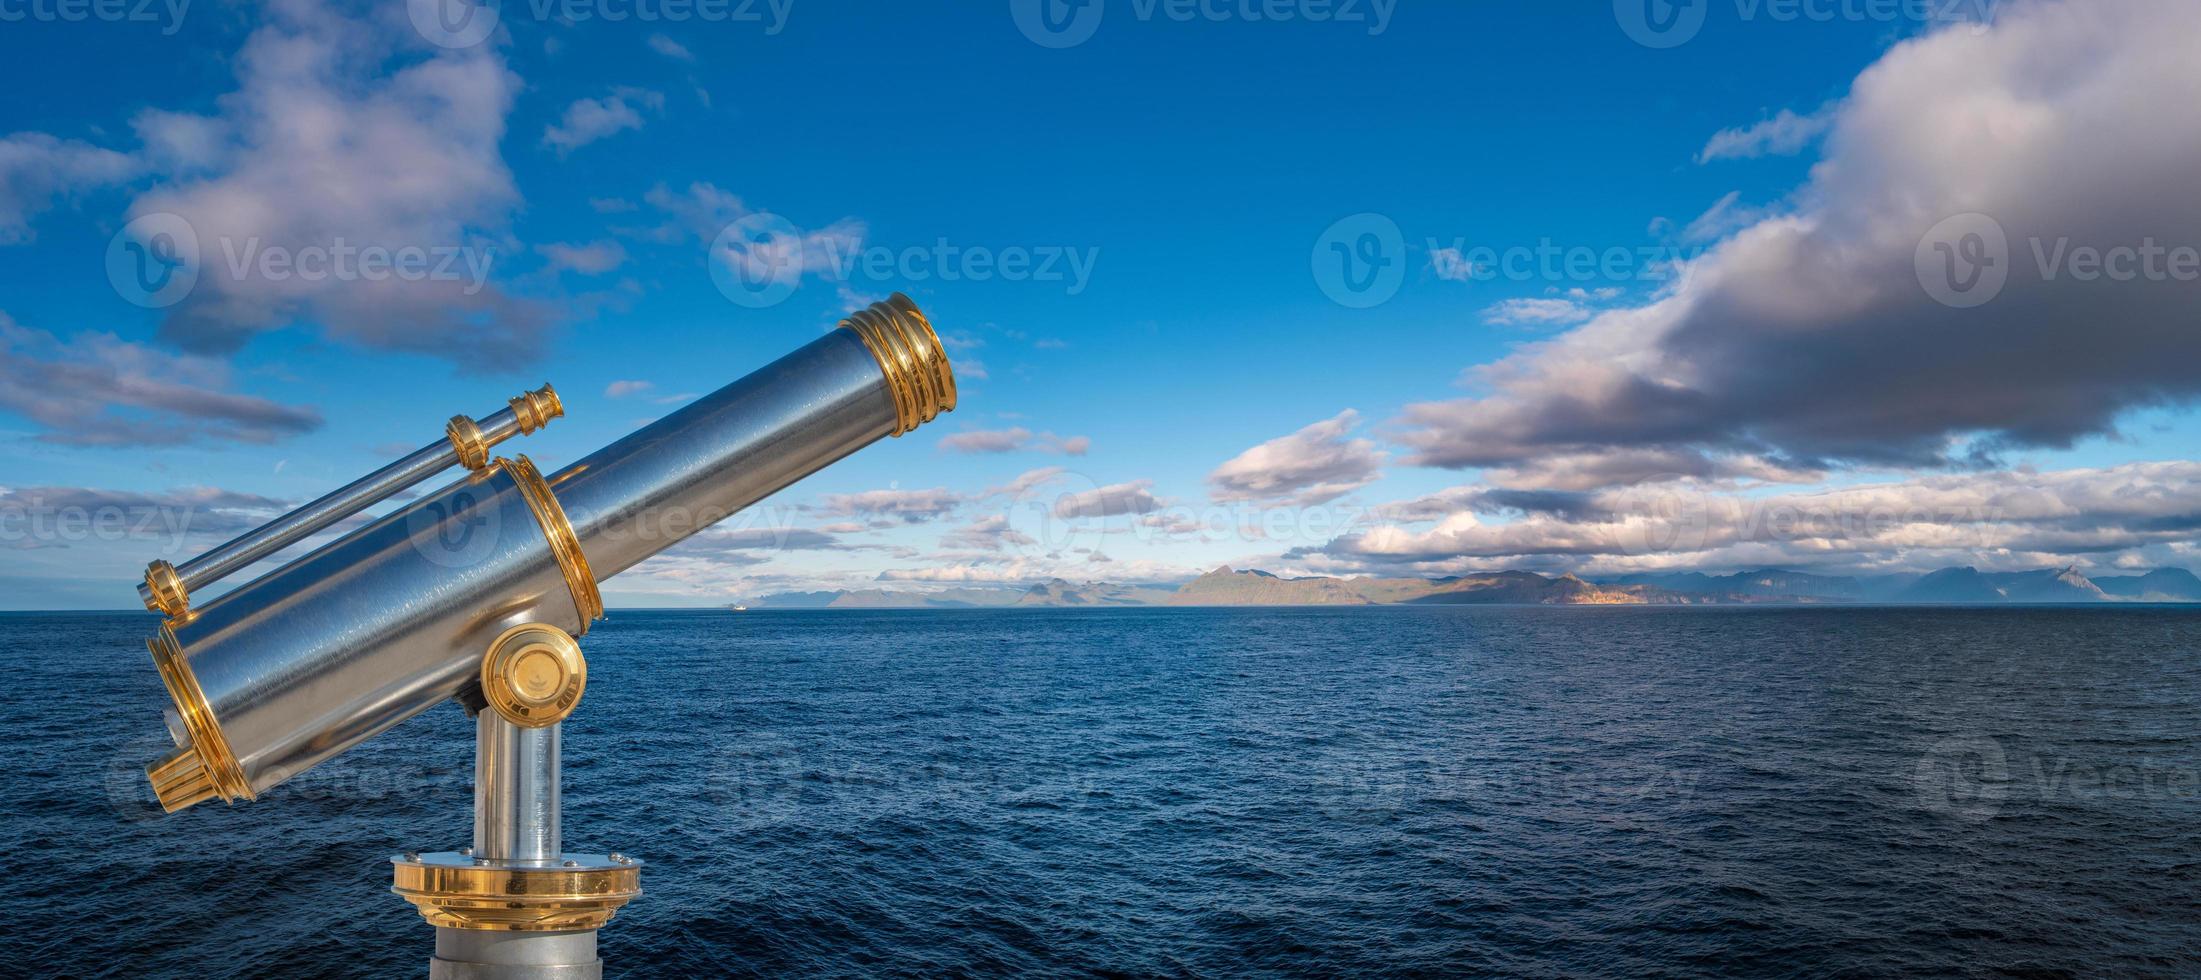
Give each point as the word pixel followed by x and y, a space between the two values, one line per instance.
pixel 515 791
pixel 515 823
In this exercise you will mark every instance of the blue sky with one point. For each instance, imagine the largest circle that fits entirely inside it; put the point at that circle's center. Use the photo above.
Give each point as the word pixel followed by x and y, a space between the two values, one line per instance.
pixel 1196 165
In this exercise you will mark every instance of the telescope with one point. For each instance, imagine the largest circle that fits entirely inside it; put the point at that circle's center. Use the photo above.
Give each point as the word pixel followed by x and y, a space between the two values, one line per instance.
pixel 479 592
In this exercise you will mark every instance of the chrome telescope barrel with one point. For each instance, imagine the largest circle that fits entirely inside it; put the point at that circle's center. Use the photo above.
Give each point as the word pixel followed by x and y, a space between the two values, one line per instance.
pixel 168 588
pixel 315 657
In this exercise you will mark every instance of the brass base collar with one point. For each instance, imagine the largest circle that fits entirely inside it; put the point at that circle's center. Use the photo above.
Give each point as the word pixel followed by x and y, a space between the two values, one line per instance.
pixel 581 891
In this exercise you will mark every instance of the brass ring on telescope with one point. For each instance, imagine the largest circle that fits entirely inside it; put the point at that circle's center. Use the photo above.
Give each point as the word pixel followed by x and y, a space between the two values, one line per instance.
pixel 582 891
pixel 533 675
pixel 466 437
pixel 217 773
pixel 165 591
pixel 564 545
pixel 916 366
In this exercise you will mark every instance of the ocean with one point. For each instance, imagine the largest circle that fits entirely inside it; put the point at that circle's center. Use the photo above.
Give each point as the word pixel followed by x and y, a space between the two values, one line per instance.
pixel 1541 792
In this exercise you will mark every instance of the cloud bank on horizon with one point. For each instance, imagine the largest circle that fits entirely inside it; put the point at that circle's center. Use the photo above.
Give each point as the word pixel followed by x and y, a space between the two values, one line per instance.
pixel 1986 259
pixel 1805 340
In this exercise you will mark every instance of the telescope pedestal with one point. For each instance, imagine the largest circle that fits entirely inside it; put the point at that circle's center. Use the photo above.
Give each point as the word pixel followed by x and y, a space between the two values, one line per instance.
pixel 515 906
pixel 470 954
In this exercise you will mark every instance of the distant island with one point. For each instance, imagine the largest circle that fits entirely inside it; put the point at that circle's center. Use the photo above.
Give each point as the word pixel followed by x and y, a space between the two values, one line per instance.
pixel 1233 587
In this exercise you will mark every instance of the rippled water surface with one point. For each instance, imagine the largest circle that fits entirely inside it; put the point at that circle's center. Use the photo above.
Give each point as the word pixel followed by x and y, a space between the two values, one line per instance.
pixel 1540 792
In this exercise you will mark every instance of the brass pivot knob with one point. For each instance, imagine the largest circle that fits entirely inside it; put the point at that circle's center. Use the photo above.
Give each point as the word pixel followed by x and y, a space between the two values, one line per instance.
pixel 466 437
pixel 533 675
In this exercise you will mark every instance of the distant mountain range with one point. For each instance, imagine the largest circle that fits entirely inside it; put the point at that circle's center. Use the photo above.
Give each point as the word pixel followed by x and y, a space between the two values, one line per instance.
pixel 1233 587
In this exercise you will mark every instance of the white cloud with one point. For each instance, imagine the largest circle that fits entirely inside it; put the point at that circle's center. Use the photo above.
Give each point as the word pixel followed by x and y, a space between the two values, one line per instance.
pixel 36 168
pixel 670 48
pixel 1029 480
pixel 1784 134
pixel 621 389
pixel 987 534
pixel 1451 264
pixel 329 143
pixel 180 141
pixel 1033 570
pixel 97 390
pixel 592 259
pixel 1623 466
pixel 1018 439
pixel 1726 216
pixel 1135 497
pixel 906 506
pixel 2010 519
pixel 589 120
pixel 1549 311
pixel 703 210
pixel 170 519
pixel 1314 465
pixel 1807 340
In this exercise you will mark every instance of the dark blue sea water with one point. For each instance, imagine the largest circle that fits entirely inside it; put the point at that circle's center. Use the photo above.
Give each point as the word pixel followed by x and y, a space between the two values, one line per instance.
pixel 1536 792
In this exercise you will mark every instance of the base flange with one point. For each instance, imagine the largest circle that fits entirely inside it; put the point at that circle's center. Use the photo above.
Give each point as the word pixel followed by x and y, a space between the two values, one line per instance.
pixel 458 891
